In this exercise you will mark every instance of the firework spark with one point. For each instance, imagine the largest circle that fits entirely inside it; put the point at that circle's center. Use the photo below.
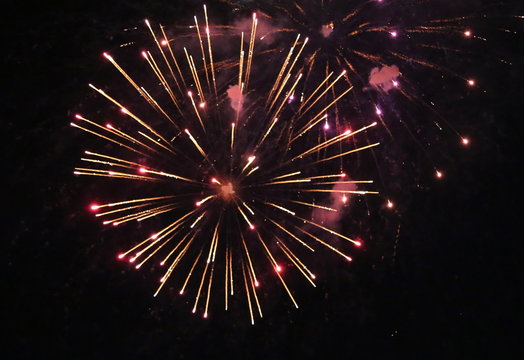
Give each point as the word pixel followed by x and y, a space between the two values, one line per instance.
pixel 230 184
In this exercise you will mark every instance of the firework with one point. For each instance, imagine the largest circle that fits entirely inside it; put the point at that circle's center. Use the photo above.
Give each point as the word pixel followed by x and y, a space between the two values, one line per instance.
pixel 389 49
pixel 225 166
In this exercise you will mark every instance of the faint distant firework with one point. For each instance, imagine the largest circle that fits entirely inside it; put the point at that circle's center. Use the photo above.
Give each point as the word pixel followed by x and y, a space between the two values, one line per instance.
pixel 394 53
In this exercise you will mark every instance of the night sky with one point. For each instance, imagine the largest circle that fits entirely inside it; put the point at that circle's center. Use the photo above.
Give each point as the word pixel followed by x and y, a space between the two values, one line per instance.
pixel 447 285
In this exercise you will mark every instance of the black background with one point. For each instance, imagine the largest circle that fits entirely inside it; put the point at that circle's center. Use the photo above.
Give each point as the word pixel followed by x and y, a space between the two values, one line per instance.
pixel 452 289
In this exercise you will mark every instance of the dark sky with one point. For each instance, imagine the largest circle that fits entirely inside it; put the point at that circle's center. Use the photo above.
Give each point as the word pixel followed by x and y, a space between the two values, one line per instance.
pixel 448 286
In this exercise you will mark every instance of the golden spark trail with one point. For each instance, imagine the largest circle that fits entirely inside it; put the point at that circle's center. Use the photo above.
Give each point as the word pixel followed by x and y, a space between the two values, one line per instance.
pixel 304 103
pixel 296 261
pixel 286 175
pixel 313 205
pixel 177 259
pixel 330 231
pixel 127 112
pixel 248 294
pixel 322 93
pixel 174 264
pixel 107 138
pixel 200 150
pixel 250 263
pixel 282 69
pixel 267 132
pixel 288 75
pixel 190 94
pixel 109 128
pixel 174 61
pixel 318 118
pixel 194 73
pixel 203 53
pixel 324 243
pixel 190 272
pixel 210 52
pixel 291 235
pixel 152 63
pixel 164 55
pixel 250 51
pixel 272 259
pixel 346 153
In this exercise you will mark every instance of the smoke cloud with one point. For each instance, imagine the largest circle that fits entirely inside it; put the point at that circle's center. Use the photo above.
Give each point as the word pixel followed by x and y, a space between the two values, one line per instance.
pixel 384 78
pixel 336 201
pixel 236 99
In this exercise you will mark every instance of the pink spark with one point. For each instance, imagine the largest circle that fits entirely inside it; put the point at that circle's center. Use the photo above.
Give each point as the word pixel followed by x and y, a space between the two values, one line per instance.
pixel 357 243
pixel 439 174
pixel 278 268
pixel 163 42
pixel 142 170
pixel 378 111
pixel 121 256
pixel 393 34
pixel 94 207
pixel 467 33
pixel 202 105
pixel 326 126
pixel 471 82
pixel 465 141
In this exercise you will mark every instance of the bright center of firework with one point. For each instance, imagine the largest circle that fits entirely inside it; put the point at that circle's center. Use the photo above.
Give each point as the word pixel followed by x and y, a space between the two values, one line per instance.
pixel 227 191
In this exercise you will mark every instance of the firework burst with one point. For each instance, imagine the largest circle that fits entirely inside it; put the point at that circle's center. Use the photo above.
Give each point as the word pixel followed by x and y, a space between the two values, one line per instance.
pixel 390 50
pixel 227 168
